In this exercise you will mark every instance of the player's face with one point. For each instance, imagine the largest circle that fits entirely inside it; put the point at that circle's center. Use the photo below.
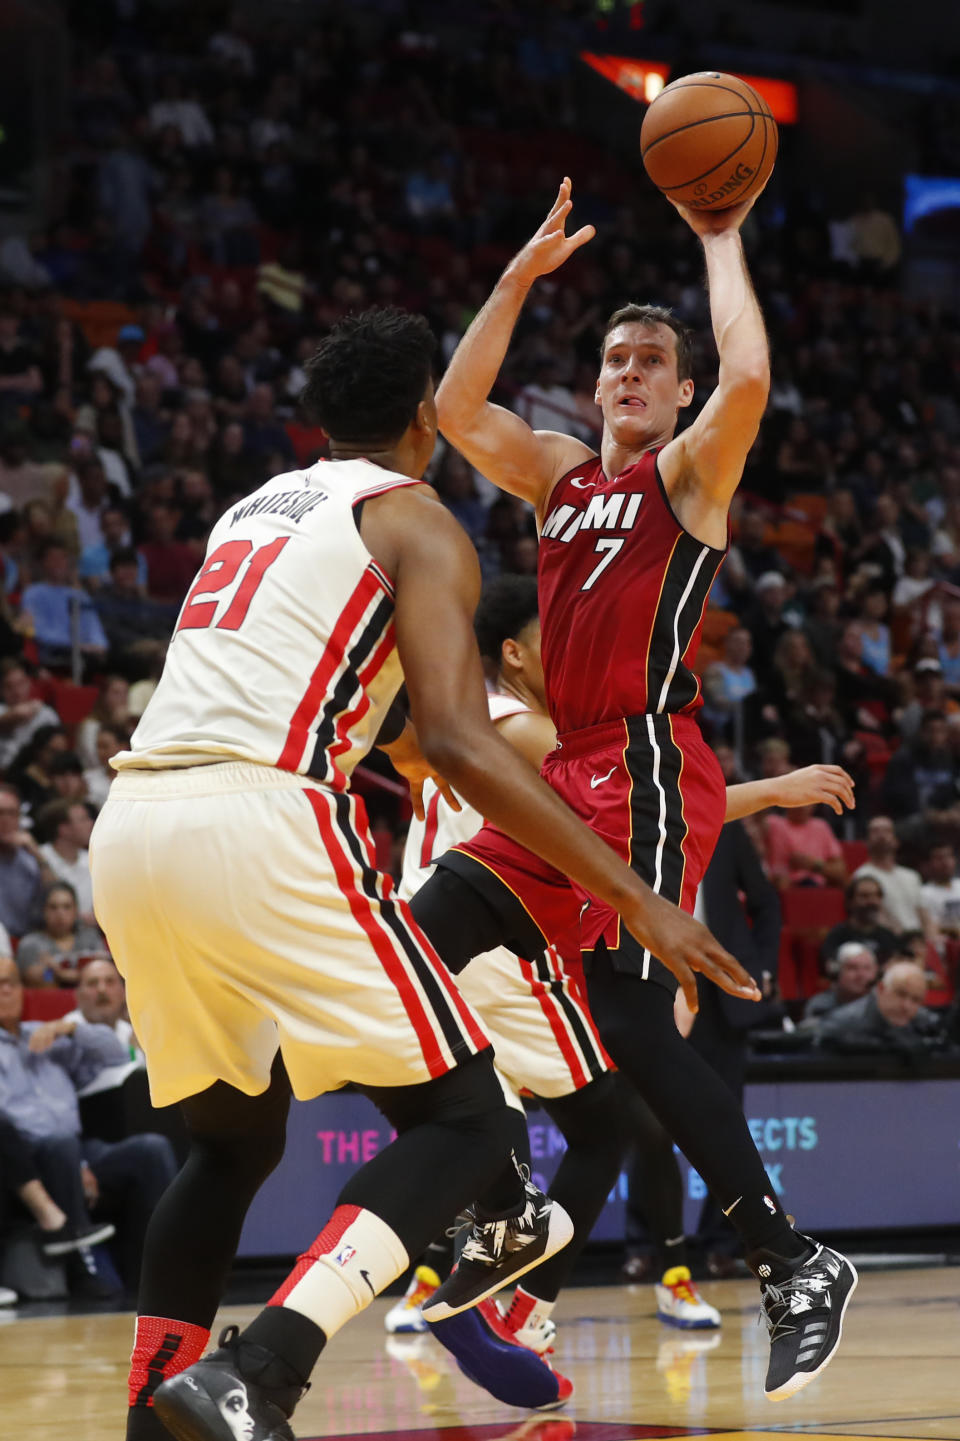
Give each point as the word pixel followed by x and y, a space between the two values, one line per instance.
pixel 638 390
pixel 528 651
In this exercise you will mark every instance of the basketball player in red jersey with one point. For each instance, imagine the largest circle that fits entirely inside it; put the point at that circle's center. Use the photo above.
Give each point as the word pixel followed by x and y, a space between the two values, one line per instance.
pixel 630 542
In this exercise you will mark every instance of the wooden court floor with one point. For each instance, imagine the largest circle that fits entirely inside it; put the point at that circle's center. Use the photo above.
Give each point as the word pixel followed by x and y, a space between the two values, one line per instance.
pixel 897 1374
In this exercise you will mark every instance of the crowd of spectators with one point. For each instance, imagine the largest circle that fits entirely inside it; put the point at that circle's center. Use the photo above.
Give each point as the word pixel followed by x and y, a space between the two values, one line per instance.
pixel 225 193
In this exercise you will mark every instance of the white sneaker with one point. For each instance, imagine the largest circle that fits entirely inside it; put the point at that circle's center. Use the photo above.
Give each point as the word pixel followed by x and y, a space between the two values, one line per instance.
pixel 679 1303
pixel 405 1317
pixel 8 1297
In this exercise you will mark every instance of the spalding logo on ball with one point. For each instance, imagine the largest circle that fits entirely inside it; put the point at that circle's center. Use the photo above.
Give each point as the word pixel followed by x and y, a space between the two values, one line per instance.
pixel 709 141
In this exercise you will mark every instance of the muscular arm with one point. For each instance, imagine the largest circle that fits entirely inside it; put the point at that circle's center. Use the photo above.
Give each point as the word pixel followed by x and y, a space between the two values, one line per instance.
pixel 702 467
pixel 497 442
pixel 437 584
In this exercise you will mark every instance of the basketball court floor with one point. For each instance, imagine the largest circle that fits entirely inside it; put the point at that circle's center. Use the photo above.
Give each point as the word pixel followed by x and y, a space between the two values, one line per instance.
pixel 897 1374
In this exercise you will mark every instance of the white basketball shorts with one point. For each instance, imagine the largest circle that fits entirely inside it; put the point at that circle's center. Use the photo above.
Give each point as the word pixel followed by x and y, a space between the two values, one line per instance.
pixel 542 1032
pixel 244 909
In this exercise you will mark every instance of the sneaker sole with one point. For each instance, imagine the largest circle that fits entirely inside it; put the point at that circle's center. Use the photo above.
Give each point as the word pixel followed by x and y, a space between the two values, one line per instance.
pixel 803 1378
pixel 560 1232
pixel 79 1243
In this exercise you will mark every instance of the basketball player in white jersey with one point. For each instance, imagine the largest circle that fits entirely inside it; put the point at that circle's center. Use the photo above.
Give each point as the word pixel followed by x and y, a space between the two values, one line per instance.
pixel 544 1037
pixel 233 874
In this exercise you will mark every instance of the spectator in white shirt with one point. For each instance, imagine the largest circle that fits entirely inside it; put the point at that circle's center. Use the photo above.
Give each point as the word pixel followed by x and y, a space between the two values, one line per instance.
pixel 102 1001
pixel 901 886
pixel 940 896
pixel 68 825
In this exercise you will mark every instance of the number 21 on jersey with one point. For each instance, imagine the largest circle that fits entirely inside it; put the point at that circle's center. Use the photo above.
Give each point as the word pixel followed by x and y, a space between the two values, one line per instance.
pixel 234 561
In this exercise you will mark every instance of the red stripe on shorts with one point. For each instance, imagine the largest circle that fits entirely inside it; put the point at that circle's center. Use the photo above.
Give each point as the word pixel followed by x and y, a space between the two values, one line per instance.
pixel 334 651
pixel 443 975
pixel 560 1034
pixel 380 938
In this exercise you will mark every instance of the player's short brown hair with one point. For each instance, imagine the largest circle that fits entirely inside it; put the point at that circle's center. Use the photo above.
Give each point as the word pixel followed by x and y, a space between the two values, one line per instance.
pixel 651 315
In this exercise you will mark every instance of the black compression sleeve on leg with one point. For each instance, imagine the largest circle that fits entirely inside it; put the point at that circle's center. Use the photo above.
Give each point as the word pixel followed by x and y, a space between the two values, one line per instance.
pixel 635 1020
pixel 456 1133
pixel 654 1182
pixel 235 1142
pixel 589 1122
pixel 456 919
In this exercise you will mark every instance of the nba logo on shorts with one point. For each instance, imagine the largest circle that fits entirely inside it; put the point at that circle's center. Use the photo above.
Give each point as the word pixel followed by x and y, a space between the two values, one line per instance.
pixel 345 1255
pixel 770 1205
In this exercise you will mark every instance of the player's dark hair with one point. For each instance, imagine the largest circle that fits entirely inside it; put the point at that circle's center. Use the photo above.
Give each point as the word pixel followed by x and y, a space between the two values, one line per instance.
pixel 651 315
pixel 507 605
pixel 367 377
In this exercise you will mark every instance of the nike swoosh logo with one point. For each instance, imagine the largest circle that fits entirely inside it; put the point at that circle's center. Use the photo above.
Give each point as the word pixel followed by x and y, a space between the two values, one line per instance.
pixel 580 483
pixel 599 780
pixel 369 1282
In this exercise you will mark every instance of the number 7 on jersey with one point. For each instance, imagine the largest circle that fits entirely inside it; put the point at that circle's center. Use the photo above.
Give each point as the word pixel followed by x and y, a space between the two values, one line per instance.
pixel 219 572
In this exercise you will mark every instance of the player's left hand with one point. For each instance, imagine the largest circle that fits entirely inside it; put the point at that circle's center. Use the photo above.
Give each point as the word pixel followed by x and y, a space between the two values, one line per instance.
pixel 817 786
pixel 408 760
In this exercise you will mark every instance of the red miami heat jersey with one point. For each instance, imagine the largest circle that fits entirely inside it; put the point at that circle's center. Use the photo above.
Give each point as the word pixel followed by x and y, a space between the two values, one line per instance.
pixel 623 590
pixel 284 652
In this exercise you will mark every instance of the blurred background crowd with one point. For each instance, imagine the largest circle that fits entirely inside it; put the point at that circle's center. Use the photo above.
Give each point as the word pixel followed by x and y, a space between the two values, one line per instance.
pixel 220 185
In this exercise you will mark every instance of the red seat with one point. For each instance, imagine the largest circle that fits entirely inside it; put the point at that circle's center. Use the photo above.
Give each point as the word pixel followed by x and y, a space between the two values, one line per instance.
pixel 47 1005
pixel 854 855
pixel 812 908
pixel 72 703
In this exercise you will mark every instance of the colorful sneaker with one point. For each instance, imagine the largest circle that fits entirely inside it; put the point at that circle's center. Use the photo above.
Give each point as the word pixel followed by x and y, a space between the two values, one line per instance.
pixel 498 1252
pixel 406 1316
pixel 487 1354
pixel 239 1390
pixel 804 1316
pixel 679 1303
pixel 537 1333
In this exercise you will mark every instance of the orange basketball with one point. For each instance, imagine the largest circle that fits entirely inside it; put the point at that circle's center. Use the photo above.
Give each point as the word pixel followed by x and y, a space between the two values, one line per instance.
pixel 708 141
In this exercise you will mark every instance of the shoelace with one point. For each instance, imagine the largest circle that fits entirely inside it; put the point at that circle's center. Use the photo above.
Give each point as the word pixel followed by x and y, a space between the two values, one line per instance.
pixel 684 1291
pixel 774 1296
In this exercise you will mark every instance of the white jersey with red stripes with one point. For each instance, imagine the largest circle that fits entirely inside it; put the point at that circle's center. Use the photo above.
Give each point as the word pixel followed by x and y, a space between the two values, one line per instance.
pixel 284 651
pixel 442 826
pixel 543 1035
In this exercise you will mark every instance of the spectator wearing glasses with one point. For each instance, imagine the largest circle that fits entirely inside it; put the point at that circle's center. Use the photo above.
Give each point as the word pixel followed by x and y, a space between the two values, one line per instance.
pixel 890 1019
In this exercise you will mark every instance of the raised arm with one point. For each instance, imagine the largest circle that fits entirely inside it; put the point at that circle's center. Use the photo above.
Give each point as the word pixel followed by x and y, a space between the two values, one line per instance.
pixel 437 576
pixel 494 440
pixel 702 467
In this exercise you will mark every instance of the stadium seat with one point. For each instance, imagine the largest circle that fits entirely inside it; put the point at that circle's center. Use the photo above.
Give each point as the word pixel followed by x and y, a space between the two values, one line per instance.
pixel 716 624
pixel 854 855
pixel 72 703
pixel 809 507
pixel 47 1005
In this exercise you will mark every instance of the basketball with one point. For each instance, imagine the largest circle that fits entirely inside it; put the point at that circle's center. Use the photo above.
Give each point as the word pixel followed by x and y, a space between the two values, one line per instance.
pixel 709 141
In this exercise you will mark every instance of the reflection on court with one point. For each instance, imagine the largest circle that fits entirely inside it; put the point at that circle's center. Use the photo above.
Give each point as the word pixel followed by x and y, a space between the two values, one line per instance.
pixel 63 1378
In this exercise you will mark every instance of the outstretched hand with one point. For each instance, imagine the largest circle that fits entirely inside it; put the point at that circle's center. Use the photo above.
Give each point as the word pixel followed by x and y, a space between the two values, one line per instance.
pixel 551 245
pixel 685 946
pixel 816 785
pixel 716 222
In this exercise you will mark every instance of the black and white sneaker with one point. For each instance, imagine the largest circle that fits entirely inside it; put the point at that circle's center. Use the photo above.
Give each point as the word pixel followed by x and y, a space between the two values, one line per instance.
pixel 498 1252
pixel 220 1398
pixel 804 1315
